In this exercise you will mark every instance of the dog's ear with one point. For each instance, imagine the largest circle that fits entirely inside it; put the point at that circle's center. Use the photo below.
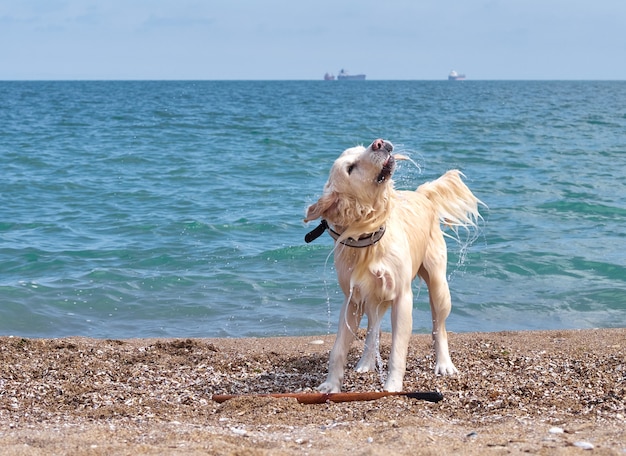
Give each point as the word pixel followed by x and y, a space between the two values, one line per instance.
pixel 321 208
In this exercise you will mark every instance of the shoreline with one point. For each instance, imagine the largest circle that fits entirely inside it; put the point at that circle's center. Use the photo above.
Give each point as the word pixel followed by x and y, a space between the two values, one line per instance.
pixel 555 391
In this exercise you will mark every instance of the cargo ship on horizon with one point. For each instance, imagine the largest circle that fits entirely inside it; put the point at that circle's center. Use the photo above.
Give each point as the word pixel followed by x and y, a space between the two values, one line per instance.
pixel 344 76
pixel 454 76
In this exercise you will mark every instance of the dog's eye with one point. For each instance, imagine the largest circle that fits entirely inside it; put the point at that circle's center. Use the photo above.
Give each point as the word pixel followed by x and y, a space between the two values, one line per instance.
pixel 351 168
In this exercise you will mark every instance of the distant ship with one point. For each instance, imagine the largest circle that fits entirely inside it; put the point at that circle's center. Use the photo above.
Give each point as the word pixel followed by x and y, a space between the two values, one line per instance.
pixel 344 76
pixel 329 77
pixel 454 76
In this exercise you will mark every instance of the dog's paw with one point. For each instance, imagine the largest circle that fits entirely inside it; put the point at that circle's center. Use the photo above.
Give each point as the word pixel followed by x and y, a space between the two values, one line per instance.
pixel 445 369
pixel 365 365
pixel 329 387
pixel 393 384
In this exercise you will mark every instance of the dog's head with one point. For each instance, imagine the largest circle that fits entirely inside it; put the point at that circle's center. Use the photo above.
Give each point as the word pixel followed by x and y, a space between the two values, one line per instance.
pixel 357 191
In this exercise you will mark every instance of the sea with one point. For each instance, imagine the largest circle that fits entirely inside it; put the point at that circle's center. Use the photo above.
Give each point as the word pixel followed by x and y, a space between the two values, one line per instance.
pixel 140 209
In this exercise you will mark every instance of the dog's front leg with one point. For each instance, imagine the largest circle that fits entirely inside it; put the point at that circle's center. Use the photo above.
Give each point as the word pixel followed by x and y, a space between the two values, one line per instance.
pixel 401 327
pixel 348 324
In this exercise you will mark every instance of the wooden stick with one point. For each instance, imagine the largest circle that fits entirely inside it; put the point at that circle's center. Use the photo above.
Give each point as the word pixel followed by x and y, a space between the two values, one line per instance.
pixel 322 398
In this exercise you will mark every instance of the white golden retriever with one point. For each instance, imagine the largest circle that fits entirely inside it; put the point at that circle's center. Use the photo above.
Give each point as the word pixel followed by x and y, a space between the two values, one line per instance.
pixel 384 238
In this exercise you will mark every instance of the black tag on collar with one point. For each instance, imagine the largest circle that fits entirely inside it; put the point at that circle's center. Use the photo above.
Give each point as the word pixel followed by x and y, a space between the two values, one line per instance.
pixel 317 232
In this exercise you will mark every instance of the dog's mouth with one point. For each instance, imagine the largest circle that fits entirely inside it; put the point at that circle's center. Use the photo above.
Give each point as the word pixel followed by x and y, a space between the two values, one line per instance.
pixel 387 171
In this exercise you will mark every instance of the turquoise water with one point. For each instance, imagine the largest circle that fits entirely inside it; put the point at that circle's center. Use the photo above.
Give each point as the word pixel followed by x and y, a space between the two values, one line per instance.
pixel 152 209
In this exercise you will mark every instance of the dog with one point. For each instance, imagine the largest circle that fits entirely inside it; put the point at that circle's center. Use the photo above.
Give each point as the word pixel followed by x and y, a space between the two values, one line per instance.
pixel 384 238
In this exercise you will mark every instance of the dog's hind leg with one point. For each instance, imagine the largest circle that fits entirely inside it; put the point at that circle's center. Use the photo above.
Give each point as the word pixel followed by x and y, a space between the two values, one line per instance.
pixel 367 362
pixel 349 320
pixel 440 306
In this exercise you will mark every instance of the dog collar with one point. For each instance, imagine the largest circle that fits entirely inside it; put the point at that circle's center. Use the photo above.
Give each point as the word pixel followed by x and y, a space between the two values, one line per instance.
pixel 364 240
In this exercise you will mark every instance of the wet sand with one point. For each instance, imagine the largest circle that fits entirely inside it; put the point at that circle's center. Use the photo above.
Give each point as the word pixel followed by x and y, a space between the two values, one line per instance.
pixel 547 392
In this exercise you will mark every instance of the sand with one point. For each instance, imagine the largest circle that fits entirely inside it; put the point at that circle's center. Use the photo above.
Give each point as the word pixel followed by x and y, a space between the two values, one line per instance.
pixel 547 392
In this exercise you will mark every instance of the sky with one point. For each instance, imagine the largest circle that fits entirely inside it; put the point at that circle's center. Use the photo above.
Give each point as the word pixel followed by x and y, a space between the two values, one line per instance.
pixel 303 39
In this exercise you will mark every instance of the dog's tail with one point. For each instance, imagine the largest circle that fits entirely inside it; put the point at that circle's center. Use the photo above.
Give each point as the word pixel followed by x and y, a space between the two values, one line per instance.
pixel 456 204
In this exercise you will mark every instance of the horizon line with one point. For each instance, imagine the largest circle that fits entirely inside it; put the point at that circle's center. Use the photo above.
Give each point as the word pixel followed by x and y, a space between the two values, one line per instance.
pixel 298 80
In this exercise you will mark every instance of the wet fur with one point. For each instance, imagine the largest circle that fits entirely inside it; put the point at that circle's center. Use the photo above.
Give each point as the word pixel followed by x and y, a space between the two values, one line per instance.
pixel 378 277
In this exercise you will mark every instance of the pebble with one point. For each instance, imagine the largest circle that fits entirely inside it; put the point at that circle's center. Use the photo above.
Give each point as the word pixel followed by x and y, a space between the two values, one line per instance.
pixel 317 342
pixel 238 431
pixel 556 430
pixel 584 445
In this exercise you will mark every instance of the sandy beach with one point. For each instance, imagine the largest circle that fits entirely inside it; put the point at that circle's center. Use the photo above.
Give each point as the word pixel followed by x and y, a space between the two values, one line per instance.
pixel 547 392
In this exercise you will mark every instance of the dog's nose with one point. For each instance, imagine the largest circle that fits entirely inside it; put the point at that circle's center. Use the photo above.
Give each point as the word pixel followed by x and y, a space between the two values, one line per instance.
pixel 381 144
